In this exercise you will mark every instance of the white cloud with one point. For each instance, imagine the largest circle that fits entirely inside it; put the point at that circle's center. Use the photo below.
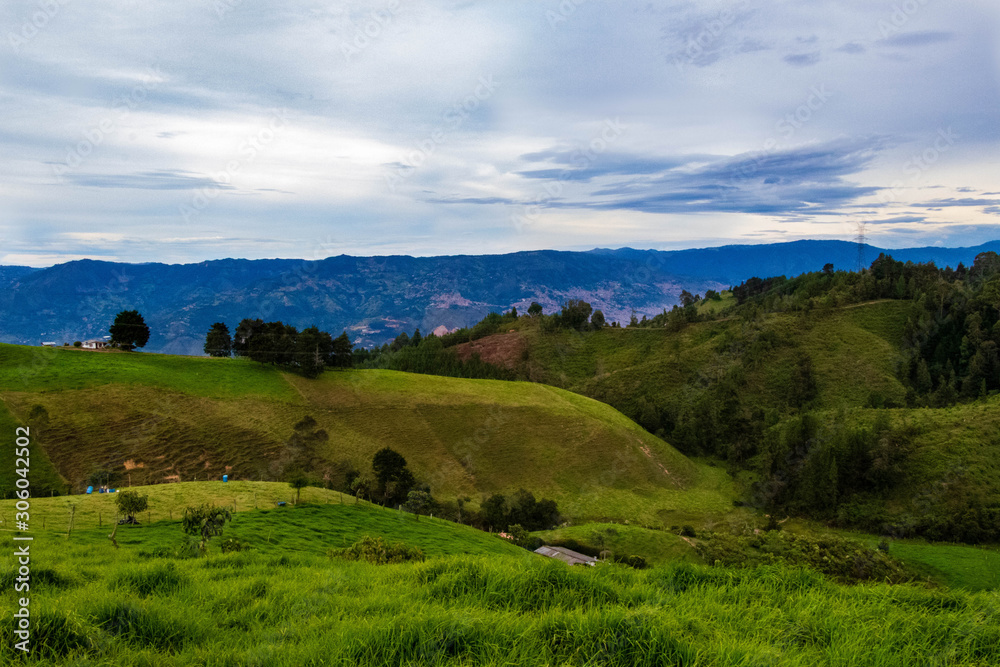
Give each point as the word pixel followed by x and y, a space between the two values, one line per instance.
pixel 117 119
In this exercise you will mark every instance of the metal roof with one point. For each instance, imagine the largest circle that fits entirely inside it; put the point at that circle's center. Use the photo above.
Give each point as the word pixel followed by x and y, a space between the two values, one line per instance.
pixel 566 555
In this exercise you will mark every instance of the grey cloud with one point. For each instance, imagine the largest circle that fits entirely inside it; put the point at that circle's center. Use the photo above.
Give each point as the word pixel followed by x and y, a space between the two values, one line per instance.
pixel 802 59
pixel 922 38
pixel 150 180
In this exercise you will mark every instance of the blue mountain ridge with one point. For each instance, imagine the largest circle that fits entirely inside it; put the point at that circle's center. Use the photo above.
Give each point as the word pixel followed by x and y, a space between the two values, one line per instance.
pixel 374 298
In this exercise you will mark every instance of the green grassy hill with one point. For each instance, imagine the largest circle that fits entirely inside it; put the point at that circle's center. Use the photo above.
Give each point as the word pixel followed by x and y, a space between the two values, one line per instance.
pixel 159 418
pixel 727 387
pixel 322 520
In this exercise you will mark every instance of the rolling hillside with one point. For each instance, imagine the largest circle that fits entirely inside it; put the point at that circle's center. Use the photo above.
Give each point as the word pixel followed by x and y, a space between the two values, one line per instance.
pixel 158 419
pixel 736 382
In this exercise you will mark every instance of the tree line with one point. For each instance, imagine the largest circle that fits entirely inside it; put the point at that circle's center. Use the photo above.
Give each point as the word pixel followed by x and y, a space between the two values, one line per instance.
pixel 309 351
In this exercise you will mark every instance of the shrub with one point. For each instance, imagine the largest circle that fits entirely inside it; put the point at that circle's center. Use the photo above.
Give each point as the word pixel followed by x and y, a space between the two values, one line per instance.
pixel 638 562
pixel 234 545
pixel 847 561
pixel 376 550
pixel 205 522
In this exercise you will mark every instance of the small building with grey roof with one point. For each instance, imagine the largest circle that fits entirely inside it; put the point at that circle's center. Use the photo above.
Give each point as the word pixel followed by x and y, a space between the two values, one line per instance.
pixel 566 555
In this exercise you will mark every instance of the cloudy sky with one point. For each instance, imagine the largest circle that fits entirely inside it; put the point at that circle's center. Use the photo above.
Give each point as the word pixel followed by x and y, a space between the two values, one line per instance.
pixel 186 130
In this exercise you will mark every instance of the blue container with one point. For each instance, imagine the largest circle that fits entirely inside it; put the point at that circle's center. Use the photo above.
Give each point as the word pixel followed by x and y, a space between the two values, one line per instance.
pixel 112 490
pixel 100 490
pixel 281 503
pixel 225 478
pixel 90 489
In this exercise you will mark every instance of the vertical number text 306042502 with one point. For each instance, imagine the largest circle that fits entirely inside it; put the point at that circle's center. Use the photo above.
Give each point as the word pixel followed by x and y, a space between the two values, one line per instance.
pixel 22 542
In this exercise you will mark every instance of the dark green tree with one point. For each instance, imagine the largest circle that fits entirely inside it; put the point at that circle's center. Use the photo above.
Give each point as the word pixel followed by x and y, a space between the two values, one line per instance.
pixel 597 320
pixel 245 332
pixel 299 481
pixel 392 478
pixel 130 503
pixel 129 330
pixel 218 342
pixel 342 351
pixel 401 341
pixel 417 502
pixel 575 314
pixel 313 351
pixel 494 511
pixel 535 309
pixel 205 522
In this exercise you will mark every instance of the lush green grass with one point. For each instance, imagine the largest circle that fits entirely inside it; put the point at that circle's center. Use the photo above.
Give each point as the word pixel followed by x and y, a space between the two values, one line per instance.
pixel 42 475
pixel 38 369
pixel 463 437
pixel 955 565
pixel 99 606
pixel 166 501
pixel 658 547
pixel 952 565
pixel 313 527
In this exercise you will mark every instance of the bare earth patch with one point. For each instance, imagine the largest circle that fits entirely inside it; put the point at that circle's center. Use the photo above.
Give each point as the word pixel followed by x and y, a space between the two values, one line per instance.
pixel 506 350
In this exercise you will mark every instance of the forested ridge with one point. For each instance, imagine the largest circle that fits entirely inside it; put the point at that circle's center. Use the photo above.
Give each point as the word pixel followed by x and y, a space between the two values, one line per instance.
pixel 821 391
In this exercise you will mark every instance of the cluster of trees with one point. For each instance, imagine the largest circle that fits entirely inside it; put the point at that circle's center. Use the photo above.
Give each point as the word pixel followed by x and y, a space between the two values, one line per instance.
pixel 500 513
pixel 390 483
pixel 677 317
pixel 952 336
pixel 309 351
pixel 808 468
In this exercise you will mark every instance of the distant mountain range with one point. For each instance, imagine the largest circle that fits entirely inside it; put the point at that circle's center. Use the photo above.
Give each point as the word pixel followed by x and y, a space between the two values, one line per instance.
pixel 374 298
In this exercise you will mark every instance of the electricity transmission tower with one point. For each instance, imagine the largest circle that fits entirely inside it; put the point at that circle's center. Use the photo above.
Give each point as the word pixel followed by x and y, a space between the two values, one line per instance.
pixel 860 240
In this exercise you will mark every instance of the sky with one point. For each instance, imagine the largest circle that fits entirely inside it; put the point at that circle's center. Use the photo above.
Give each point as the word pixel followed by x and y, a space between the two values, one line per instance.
pixel 188 130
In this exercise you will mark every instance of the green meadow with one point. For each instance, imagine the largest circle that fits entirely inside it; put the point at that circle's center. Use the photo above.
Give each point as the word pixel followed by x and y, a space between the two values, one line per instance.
pixel 284 605
pixel 156 418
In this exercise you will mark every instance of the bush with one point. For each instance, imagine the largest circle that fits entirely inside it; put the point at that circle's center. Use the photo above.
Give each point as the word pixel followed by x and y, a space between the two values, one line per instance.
pixel 376 550
pixel 638 562
pixel 847 561
pixel 234 545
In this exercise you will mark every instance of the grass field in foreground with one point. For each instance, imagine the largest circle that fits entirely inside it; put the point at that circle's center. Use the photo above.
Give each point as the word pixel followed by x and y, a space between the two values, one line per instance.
pixel 93 607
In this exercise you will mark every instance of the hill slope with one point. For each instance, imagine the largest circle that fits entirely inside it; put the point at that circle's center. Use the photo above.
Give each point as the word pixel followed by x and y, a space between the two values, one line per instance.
pixel 159 418
pixel 739 388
